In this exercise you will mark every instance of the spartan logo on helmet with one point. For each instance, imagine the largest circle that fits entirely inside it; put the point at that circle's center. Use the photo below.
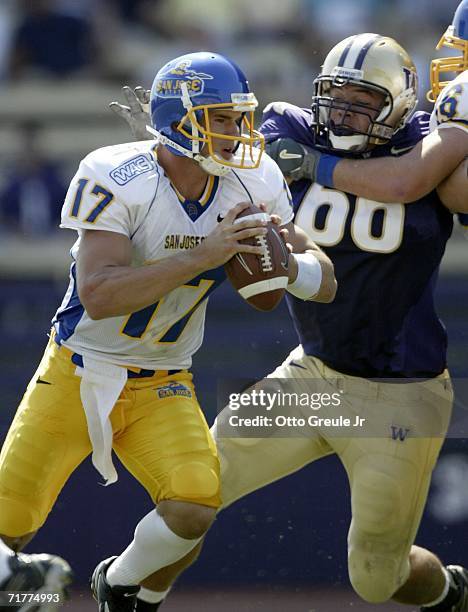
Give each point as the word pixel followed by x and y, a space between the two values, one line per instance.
pixel 169 83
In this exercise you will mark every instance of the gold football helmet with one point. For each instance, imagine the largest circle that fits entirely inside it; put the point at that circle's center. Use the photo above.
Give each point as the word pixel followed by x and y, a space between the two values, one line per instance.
pixel 455 37
pixel 373 63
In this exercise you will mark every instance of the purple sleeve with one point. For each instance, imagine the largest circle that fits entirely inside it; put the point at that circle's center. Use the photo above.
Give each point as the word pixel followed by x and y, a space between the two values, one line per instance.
pixel 282 120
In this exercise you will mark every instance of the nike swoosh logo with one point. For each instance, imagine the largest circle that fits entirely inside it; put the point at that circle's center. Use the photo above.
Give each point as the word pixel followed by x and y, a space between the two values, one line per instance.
pixel 243 263
pixel 39 381
pixel 219 218
pixel 397 150
pixel 298 365
pixel 285 155
pixel 284 250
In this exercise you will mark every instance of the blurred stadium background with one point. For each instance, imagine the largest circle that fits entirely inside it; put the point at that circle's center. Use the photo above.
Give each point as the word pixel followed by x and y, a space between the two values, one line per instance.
pixel 61 62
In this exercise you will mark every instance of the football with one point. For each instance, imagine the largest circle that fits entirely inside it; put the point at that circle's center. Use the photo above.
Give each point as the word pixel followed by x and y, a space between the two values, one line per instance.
pixel 260 279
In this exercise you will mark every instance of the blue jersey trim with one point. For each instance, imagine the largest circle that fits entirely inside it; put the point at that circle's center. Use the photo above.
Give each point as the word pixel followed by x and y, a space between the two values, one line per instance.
pixel 195 208
pixel 68 318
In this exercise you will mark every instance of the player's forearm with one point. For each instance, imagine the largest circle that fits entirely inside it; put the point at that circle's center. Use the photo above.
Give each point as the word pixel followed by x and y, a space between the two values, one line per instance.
pixel 119 290
pixel 328 284
pixel 376 179
pixel 453 191
pixel 406 178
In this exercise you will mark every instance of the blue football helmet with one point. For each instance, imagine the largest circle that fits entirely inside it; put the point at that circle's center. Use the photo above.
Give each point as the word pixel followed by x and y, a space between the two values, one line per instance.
pixel 183 93
pixel 455 37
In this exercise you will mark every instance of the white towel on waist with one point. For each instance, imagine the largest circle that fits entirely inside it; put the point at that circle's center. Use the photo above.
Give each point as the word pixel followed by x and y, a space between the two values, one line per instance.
pixel 101 385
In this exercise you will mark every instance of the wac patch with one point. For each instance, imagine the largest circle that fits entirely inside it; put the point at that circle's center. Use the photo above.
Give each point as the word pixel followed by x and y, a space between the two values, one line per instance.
pixel 173 390
pixel 132 168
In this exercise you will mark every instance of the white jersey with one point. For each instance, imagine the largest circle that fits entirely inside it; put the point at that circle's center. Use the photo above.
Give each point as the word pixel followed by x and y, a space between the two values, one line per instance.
pixel 451 107
pixel 123 189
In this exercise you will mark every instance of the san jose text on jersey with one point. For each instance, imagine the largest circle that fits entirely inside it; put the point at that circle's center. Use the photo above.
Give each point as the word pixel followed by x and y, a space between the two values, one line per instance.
pixel 386 256
pixel 123 189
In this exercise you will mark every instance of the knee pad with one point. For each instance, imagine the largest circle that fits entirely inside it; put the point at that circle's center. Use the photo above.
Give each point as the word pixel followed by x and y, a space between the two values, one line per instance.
pixel 16 518
pixel 26 474
pixel 376 577
pixel 378 557
pixel 194 480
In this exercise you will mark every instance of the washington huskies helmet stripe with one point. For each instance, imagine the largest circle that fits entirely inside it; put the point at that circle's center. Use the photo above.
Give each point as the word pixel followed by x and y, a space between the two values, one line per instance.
pixel 344 55
pixel 363 52
pixel 356 50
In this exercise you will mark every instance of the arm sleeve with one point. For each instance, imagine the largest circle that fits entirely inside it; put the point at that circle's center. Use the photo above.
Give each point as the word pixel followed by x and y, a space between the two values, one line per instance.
pixel 93 203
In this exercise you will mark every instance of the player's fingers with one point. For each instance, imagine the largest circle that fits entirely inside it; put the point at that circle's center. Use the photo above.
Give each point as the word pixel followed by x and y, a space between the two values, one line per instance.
pixel 120 109
pixel 284 233
pixel 250 233
pixel 131 98
pixel 235 210
pixel 243 223
pixel 276 219
pixel 142 94
pixel 247 248
pixel 262 206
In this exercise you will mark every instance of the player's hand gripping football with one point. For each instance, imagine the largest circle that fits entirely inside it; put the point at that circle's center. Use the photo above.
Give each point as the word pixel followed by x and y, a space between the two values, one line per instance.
pixel 226 239
pixel 135 112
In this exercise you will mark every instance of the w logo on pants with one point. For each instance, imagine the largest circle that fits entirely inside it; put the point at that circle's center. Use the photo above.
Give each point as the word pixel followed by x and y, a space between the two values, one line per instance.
pixel 398 433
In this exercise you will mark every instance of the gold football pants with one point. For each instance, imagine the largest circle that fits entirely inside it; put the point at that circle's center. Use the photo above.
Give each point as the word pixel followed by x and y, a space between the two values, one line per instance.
pixel 160 436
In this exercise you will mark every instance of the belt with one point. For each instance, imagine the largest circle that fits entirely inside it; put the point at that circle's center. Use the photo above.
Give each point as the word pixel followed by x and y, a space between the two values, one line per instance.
pixel 78 360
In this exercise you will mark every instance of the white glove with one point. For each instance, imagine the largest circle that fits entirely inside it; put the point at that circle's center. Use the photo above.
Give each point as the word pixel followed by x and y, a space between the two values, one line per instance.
pixel 136 114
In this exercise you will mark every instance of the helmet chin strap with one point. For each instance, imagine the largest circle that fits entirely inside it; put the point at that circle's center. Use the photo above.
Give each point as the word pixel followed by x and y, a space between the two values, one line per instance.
pixel 208 164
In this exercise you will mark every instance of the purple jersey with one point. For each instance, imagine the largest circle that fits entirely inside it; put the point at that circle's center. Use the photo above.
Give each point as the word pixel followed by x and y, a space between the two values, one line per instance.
pixel 382 322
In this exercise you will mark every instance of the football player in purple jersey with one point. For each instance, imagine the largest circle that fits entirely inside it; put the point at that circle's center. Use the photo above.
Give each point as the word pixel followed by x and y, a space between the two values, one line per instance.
pixel 354 162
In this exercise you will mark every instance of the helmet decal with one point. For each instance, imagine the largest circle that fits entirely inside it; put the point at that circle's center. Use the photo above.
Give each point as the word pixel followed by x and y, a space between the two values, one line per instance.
pixel 168 84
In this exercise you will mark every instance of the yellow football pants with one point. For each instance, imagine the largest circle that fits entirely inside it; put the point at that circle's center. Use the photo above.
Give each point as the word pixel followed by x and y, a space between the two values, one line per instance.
pixel 160 435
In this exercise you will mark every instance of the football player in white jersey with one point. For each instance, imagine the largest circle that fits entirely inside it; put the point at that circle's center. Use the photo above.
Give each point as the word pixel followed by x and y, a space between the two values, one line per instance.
pixel 155 223
pixel 451 107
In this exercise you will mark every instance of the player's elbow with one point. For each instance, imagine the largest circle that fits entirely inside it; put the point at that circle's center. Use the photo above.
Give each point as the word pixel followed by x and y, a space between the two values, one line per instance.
pixel 94 309
pixel 409 188
pixel 93 301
